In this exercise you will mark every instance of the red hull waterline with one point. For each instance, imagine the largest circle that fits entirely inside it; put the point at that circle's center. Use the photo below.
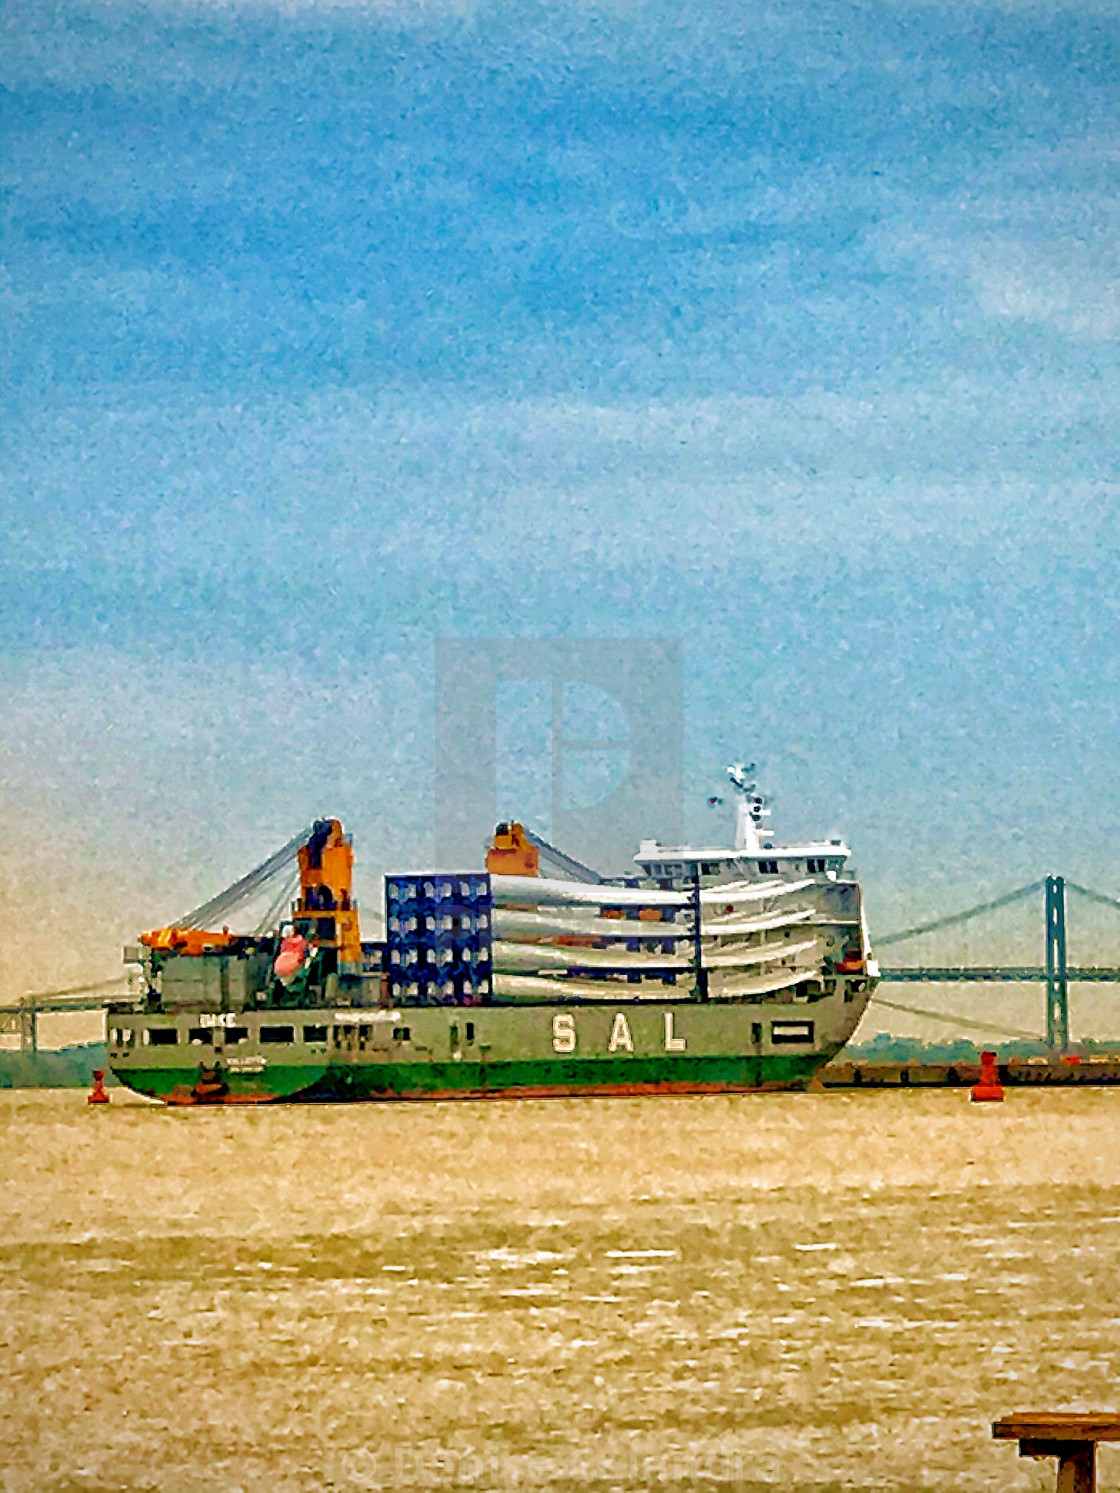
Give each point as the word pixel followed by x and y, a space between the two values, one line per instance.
pixel 185 1098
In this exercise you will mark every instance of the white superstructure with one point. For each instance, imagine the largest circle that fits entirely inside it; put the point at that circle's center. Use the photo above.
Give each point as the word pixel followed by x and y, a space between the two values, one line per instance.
pixel 754 855
pixel 753 922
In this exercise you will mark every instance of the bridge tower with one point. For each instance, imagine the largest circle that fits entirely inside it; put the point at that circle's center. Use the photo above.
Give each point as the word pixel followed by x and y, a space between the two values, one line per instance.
pixel 1057 979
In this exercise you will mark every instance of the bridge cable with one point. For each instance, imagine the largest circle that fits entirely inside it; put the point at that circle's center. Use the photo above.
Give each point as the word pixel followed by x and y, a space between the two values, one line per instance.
pixel 1083 891
pixel 43 995
pixel 979 1026
pixel 960 917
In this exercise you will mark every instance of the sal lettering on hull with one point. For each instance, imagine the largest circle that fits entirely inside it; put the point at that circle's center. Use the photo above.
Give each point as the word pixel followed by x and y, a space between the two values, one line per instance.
pixel 564 1032
pixel 673 1043
pixel 621 1039
pixel 620 1035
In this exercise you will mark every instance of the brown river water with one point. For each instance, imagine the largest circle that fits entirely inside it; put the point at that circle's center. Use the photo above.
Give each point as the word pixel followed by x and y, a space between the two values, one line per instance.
pixel 797 1292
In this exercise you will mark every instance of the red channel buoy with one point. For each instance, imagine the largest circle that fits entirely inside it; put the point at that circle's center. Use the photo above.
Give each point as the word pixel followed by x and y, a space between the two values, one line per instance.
pixel 97 1094
pixel 989 1089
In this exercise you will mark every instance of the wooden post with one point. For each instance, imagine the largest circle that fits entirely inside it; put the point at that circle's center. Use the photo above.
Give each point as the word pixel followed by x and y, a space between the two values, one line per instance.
pixel 1070 1437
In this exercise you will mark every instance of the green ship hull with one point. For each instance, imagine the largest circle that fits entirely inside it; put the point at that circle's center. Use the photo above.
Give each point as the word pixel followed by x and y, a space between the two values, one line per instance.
pixel 537 1051
pixel 550 1080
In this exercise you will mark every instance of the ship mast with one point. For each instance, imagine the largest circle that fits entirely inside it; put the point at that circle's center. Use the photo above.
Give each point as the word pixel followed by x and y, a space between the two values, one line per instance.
pixel 750 809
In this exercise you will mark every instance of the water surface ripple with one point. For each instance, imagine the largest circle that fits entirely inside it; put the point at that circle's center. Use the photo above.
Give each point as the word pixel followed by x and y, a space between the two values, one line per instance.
pixel 804 1292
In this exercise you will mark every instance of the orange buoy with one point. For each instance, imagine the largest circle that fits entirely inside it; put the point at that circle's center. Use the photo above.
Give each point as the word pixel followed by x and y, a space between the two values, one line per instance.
pixel 989 1088
pixel 97 1094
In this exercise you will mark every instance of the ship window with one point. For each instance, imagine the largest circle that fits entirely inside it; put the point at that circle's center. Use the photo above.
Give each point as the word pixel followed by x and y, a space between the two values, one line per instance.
pixel 402 1034
pixel 768 868
pixel 235 1034
pixel 470 1031
pixel 314 1034
pixel 756 1032
pixel 709 868
pixel 789 1032
pixel 200 1036
pixel 278 1034
pixel 453 1034
pixel 162 1036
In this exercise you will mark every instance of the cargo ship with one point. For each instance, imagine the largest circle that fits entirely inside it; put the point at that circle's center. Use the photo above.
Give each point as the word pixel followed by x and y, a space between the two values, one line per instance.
pixel 708 970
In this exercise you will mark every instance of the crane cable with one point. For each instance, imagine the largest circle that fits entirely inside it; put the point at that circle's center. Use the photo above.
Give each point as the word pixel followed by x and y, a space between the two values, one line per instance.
pixel 286 895
pixel 247 886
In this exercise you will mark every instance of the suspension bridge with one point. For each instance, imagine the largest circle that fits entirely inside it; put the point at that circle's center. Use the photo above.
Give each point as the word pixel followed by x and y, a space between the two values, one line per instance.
pixel 1055 975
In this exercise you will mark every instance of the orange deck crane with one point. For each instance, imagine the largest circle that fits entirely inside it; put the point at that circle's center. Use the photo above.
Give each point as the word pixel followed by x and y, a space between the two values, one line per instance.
pixel 324 912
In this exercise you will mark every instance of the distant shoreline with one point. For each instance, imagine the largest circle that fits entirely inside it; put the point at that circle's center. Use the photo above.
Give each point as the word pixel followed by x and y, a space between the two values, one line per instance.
pixel 58 1068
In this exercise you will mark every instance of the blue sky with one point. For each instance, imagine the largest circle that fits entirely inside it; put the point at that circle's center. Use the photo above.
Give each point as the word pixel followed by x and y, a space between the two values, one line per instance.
pixel 787 330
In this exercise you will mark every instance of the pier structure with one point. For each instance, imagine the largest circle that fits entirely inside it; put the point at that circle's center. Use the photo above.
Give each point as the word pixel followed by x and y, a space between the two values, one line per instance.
pixel 22 1017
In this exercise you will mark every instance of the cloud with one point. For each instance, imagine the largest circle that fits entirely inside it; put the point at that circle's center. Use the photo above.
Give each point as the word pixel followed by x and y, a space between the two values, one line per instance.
pixel 1067 288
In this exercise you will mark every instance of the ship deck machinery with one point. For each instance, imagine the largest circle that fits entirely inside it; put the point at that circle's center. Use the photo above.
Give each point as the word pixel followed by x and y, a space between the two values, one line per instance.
pixel 708 970
pixel 243 1017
